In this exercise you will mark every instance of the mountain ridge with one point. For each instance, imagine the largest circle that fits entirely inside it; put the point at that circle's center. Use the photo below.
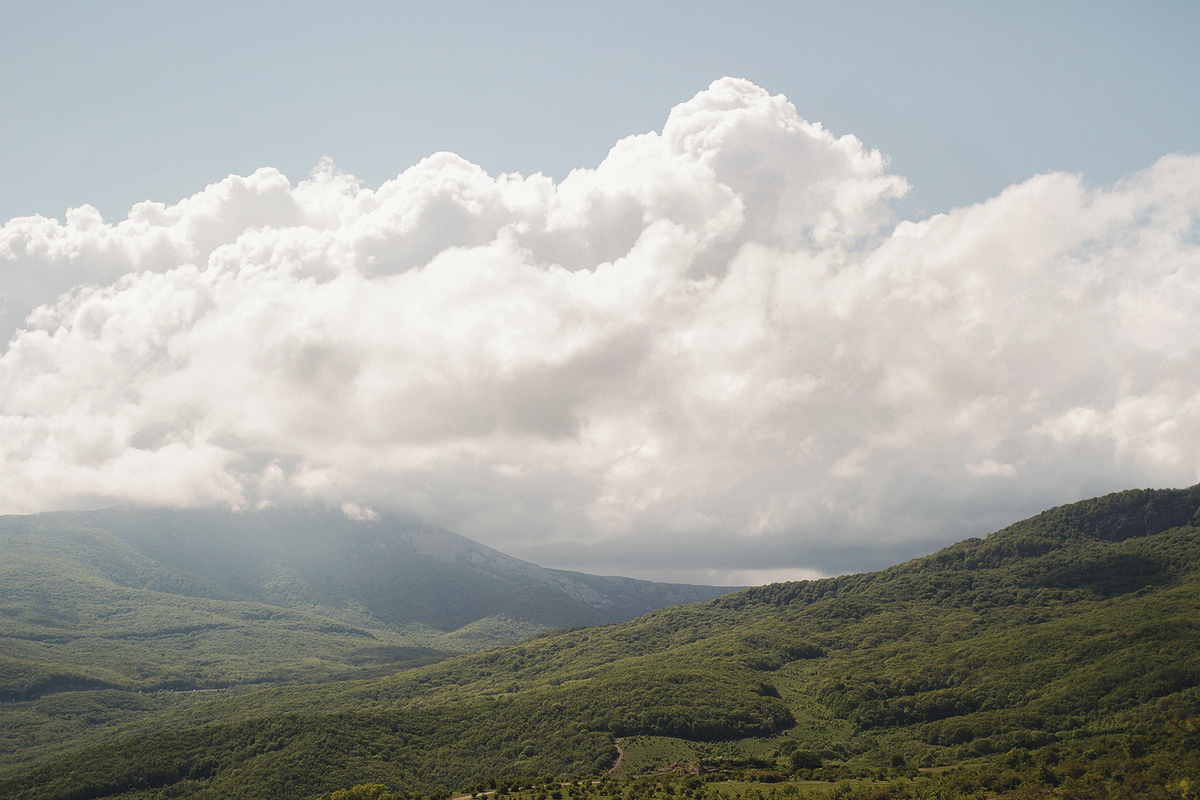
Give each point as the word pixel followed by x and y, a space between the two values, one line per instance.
pixel 149 599
pixel 237 552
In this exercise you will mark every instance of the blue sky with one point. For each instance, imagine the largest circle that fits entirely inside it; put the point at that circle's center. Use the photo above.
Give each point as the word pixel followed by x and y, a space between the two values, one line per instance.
pixel 113 103
pixel 718 293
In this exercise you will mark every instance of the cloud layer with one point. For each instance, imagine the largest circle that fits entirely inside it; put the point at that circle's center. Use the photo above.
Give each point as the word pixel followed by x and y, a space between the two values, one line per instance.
pixel 717 351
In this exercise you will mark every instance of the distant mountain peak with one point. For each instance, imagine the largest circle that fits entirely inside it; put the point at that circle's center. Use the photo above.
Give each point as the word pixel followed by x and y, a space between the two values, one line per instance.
pixel 395 570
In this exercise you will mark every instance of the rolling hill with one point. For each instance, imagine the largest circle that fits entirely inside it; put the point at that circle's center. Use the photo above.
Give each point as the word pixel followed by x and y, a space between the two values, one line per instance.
pixel 1056 656
pixel 140 599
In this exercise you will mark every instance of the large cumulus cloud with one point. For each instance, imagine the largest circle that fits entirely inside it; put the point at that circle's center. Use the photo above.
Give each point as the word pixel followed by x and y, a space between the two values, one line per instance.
pixel 715 353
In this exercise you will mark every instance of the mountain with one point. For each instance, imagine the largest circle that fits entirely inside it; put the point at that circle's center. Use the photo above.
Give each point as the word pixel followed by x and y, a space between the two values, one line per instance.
pixel 1056 657
pixel 143 599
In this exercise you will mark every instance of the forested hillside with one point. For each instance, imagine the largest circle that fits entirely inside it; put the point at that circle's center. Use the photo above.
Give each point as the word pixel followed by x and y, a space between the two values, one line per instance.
pixel 1056 655
pixel 149 600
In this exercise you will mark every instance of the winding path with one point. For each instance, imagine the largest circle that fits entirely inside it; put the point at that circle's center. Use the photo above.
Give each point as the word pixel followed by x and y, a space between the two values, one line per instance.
pixel 620 758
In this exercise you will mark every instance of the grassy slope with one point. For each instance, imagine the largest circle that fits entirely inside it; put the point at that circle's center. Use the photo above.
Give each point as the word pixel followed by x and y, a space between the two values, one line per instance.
pixel 1077 627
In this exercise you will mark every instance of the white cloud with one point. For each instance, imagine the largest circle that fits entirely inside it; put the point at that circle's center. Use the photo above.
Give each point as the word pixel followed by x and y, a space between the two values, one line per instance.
pixel 716 343
pixel 358 513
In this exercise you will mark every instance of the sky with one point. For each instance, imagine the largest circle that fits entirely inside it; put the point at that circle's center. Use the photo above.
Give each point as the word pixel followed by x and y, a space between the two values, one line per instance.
pixel 715 293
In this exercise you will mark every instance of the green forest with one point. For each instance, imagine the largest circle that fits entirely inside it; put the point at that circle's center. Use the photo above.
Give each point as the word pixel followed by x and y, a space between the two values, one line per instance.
pixel 1057 657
